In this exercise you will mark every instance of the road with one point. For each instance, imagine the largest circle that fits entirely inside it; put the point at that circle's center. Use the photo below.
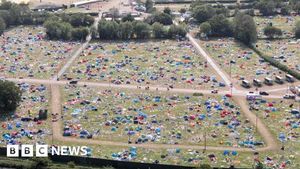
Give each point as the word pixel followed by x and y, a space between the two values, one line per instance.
pixel 77 52
pixel 210 61
pixel 134 87
pixel 107 6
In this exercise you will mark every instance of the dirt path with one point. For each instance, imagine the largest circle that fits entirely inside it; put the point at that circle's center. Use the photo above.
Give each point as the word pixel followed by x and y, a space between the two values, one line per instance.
pixel 261 127
pixel 241 93
pixel 222 74
pixel 57 131
pixel 56 109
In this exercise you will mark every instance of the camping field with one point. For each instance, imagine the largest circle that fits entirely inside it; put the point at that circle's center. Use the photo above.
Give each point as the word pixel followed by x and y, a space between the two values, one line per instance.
pixel 285 51
pixel 143 117
pixel 164 63
pixel 245 63
pixel 190 157
pixel 26 53
pixel 22 127
pixel 285 23
pixel 281 116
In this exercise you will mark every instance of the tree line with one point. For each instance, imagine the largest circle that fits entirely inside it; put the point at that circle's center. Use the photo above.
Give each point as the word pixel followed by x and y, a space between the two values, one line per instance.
pixel 68 27
pixel 272 7
pixel 12 14
pixel 214 21
pixel 113 30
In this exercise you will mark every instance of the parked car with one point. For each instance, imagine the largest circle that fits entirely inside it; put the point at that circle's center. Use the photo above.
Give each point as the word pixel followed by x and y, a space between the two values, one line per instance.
pixel 289 96
pixel 263 93
pixel 73 82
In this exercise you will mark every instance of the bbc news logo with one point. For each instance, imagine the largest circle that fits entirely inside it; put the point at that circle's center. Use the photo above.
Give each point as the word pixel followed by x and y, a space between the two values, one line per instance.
pixel 44 150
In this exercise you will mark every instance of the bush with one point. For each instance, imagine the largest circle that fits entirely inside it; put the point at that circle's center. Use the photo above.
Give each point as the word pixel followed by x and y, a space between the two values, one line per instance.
pixel 271 31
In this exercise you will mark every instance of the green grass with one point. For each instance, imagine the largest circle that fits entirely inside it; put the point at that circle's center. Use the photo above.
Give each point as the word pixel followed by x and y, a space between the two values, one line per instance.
pixel 29 107
pixel 31 56
pixel 168 114
pixel 144 59
pixel 247 61
pixel 285 23
pixel 277 48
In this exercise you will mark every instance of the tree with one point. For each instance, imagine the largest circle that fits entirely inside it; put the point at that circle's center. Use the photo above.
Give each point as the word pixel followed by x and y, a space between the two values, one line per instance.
pixel 297 30
pixel 167 10
pixel 113 27
pixel 221 26
pixel 142 30
pixel 295 4
pixel 108 29
pixel 205 28
pixel 76 20
pixel 2 26
pixel 266 7
pixel 10 97
pixel 271 31
pixel 66 30
pixel 80 33
pixel 162 18
pixel 126 30
pixel 128 17
pixel 203 13
pixel 58 29
pixel 158 30
pixel 285 10
pixel 176 31
pixel 149 5
pixel 245 29
pixel 221 9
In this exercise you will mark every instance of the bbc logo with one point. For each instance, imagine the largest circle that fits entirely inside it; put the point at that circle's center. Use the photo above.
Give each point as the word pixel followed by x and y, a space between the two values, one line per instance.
pixel 27 150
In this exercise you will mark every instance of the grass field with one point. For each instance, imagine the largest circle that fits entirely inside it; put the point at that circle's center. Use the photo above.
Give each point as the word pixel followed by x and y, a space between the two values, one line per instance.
pixel 285 23
pixel 277 116
pixel 34 98
pixel 162 63
pixel 26 53
pixel 153 117
pixel 195 157
pixel 285 51
pixel 244 62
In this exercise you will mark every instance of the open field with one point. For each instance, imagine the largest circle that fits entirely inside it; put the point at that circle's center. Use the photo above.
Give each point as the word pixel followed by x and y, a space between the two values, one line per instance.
pixel 193 157
pixel 285 51
pixel 238 60
pixel 285 23
pixel 164 63
pixel 24 126
pixel 141 117
pixel 26 53
pixel 282 117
